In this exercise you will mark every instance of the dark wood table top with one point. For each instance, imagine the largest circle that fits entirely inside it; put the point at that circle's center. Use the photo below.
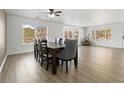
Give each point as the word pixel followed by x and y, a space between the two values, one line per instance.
pixel 54 45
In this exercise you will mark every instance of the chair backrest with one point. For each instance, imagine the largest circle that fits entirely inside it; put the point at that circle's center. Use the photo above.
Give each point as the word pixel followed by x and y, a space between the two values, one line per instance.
pixel 70 48
pixel 44 43
pixel 65 41
pixel 60 40
pixel 44 48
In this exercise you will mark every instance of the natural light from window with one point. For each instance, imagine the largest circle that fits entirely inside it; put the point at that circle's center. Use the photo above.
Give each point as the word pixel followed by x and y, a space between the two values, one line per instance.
pixel 30 32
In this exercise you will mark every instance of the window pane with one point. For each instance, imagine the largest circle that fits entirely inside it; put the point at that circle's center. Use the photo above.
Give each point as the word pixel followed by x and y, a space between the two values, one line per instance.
pixel 41 32
pixel 28 33
pixel 71 34
pixel 101 34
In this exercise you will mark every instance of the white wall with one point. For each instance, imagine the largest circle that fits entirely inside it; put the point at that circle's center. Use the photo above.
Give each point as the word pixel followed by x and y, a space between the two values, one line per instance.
pixel 14 32
pixel 117 30
pixel 2 36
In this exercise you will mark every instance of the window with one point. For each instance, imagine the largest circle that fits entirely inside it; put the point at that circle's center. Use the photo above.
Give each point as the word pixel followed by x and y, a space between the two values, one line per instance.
pixel 29 33
pixel 108 34
pixel 71 34
pixel 104 34
pixel 41 32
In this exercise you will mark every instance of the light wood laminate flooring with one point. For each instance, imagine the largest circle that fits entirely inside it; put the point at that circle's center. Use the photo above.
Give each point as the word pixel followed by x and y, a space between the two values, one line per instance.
pixel 96 64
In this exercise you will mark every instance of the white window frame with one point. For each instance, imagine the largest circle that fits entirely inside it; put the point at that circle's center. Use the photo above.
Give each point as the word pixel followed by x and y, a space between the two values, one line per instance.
pixel 22 33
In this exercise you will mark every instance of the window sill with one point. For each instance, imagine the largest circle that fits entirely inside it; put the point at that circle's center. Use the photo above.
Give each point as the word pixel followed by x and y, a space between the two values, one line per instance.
pixel 27 44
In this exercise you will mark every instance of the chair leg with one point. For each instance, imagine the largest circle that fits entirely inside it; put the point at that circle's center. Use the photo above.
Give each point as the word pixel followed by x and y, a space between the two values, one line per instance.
pixel 62 64
pixel 34 54
pixel 66 66
pixel 75 62
pixel 37 56
pixel 41 61
pixel 47 64
pixel 57 62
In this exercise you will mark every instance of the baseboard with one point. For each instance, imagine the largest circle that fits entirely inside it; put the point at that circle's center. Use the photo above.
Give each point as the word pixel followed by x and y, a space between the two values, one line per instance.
pixel 19 52
pixel 107 47
pixel 4 60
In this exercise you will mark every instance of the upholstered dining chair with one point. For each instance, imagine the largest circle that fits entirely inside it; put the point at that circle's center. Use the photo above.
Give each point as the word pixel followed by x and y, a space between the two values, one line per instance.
pixel 68 53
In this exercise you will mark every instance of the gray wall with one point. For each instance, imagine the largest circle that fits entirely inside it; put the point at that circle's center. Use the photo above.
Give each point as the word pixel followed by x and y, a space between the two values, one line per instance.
pixel 14 32
pixel 2 35
pixel 117 32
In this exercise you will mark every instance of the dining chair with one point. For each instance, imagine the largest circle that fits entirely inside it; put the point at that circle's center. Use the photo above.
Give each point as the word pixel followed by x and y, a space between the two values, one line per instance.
pixel 44 53
pixel 68 53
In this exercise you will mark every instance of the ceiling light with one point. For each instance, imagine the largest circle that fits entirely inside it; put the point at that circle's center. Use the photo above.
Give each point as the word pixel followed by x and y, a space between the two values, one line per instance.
pixel 51 15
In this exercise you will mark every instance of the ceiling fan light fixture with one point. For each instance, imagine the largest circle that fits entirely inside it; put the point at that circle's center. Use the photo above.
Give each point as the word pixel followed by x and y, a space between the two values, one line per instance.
pixel 51 15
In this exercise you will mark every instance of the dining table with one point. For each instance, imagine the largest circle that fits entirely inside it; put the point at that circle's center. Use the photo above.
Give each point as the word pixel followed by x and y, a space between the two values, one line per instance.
pixel 54 49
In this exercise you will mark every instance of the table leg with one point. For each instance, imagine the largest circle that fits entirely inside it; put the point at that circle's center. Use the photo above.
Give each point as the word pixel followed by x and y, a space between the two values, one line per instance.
pixel 54 62
pixel 77 55
pixel 76 59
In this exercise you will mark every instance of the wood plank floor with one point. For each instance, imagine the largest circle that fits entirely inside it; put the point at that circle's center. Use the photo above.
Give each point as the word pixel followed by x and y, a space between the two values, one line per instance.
pixel 96 64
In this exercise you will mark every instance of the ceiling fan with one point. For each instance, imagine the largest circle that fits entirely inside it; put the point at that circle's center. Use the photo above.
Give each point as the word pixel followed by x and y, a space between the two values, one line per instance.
pixel 53 13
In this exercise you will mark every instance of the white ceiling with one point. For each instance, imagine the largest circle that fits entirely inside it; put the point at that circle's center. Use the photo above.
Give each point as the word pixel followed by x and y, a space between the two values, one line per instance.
pixel 79 17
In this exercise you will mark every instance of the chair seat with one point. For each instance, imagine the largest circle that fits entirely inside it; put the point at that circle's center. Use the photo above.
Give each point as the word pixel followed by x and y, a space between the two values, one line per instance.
pixel 65 56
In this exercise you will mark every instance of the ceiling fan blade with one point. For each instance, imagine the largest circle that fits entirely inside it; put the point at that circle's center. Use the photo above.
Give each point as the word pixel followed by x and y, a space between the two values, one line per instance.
pixel 51 10
pixel 58 12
